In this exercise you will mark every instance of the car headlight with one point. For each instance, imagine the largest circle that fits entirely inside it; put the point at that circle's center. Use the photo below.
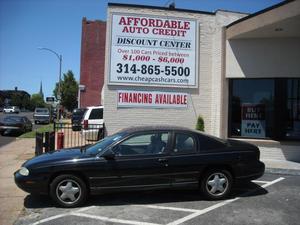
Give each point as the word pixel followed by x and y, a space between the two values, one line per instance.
pixel 24 171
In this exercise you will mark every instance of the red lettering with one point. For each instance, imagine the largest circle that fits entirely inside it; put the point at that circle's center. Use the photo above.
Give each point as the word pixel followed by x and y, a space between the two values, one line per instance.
pixel 185 100
pixel 122 21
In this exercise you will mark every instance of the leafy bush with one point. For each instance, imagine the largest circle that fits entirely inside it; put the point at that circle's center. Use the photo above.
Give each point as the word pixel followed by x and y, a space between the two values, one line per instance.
pixel 200 124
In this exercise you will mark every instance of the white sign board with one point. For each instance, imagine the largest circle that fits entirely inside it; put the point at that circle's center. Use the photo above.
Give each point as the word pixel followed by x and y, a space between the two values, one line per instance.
pixel 253 120
pixel 152 99
pixel 253 128
pixel 153 51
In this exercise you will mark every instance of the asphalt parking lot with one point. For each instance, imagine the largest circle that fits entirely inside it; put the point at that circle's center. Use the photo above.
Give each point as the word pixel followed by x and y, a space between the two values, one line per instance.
pixel 273 199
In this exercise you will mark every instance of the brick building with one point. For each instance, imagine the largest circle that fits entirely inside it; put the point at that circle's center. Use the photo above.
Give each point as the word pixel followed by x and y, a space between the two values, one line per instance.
pixel 92 62
pixel 168 66
pixel 239 72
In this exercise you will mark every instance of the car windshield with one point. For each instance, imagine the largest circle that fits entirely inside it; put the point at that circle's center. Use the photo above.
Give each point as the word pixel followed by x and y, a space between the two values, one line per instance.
pixel 78 111
pixel 41 111
pixel 104 143
pixel 12 119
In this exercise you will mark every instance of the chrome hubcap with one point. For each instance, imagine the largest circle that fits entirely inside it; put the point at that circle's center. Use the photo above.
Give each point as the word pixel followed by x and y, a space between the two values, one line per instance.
pixel 217 184
pixel 68 191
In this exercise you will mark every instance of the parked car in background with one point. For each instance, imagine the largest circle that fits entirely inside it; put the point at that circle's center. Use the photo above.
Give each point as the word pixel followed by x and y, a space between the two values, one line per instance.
pixel 42 115
pixel 92 123
pixel 15 124
pixel 142 158
pixel 77 116
pixel 11 109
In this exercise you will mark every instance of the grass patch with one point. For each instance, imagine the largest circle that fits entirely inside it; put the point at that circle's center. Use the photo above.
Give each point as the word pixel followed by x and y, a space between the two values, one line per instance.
pixel 43 129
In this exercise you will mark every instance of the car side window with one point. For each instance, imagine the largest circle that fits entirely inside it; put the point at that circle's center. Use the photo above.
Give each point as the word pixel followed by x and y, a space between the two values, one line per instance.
pixel 184 144
pixel 96 114
pixel 150 143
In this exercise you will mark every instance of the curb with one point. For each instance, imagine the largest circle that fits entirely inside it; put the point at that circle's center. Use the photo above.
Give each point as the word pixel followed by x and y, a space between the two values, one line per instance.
pixel 283 171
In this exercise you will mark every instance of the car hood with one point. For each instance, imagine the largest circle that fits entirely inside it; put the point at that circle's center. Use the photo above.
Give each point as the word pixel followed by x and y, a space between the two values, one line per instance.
pixel 55 157
pixel 10 123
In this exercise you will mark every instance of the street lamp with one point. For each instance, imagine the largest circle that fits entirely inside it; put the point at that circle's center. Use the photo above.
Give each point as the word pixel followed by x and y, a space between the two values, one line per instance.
pixel 59 81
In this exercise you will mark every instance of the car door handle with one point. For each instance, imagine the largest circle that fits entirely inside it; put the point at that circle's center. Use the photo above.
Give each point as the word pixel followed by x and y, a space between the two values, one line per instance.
pixel 162 160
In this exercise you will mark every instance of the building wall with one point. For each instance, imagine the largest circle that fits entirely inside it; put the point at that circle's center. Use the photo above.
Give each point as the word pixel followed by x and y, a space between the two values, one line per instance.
pixel 206 100
pixel 92 61
pixel 263 57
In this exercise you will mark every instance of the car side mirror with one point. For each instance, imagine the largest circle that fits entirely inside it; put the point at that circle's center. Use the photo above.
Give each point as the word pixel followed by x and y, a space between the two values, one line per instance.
pixel 109 154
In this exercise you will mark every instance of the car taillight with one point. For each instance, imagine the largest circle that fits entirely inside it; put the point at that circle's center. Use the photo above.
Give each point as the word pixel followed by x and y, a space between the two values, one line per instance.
pixel 85 124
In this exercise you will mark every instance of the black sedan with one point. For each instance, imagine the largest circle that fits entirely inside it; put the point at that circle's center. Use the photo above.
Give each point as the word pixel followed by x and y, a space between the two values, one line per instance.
pixel 142 158
pixel 15 124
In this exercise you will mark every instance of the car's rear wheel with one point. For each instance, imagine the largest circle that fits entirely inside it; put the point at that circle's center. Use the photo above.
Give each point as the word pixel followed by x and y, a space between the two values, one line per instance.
pixel 216 184
pixel 68 191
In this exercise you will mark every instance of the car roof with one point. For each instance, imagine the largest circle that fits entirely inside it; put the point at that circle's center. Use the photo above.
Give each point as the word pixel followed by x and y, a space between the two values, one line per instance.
pixel 135 129
pixel 155 127
pixel 95 107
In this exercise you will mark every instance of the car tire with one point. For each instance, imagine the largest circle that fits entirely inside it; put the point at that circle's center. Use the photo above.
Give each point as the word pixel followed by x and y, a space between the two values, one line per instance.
pixel 68 191
pixel 216 184
pixel 24 130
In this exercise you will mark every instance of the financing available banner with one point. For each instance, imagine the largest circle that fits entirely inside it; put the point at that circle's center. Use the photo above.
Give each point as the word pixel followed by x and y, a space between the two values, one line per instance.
pixel 152 99
pixel 153 51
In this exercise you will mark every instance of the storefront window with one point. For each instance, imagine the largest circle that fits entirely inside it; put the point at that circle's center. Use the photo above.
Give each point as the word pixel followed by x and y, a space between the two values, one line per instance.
pixel 252 108
pixel 265 108
pixel 292 128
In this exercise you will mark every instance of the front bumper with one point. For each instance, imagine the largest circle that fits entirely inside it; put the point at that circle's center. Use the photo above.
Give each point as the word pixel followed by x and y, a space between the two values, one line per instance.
pixel 30 184
pixel 42 120
pixel 7 129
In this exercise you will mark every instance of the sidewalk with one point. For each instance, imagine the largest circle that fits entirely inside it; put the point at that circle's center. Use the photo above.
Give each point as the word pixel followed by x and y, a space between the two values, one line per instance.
pixel 12 156
pixel 282 166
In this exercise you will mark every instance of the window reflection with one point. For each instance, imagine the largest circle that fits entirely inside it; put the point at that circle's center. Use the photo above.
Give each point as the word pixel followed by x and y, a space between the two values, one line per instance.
pixel 252 108
pixel 293 109
pixel 265 108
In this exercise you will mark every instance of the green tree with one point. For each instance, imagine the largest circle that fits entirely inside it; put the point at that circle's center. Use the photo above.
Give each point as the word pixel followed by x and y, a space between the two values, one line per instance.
pixel 37 101
pixel 69 90
pixel 1 102
pixel 16 99
pixel 200 124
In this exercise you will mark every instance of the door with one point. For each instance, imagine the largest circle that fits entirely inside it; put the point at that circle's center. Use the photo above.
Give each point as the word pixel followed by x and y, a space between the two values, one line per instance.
pixel 95 124
pixel 140 161
pixel 184 162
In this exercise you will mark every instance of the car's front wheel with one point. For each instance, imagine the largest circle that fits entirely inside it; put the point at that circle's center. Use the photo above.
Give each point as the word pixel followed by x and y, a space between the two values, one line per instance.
pixel 68 190
pixel 216 184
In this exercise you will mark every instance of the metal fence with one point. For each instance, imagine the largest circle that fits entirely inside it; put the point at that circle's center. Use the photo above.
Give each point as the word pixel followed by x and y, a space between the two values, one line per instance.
pixel 68 135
